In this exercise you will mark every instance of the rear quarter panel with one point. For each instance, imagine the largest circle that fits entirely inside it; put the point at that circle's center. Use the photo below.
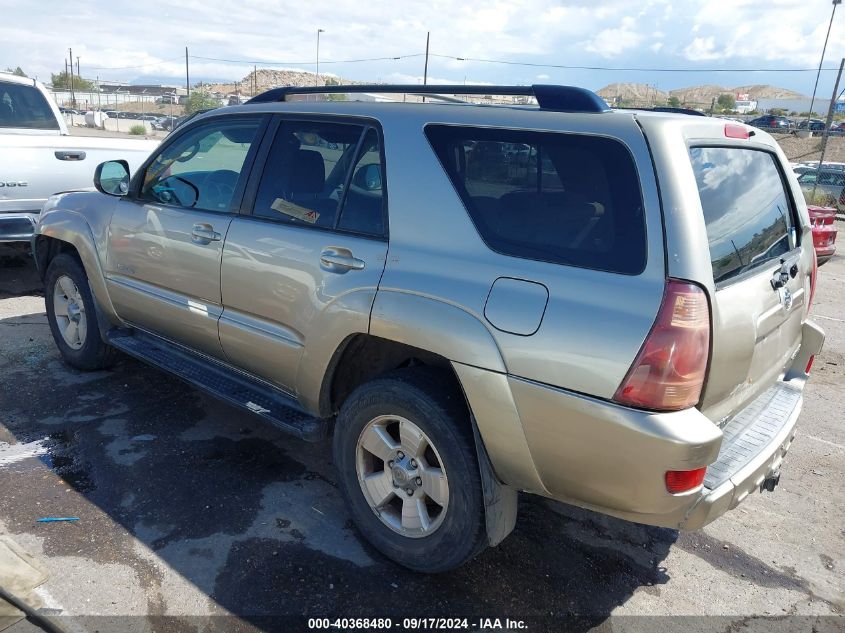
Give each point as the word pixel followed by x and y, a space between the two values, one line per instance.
pixel 594 322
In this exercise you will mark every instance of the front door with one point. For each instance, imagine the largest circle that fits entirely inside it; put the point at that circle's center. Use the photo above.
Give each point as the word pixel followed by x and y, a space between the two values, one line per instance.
pixel 165 242
pixel 301 272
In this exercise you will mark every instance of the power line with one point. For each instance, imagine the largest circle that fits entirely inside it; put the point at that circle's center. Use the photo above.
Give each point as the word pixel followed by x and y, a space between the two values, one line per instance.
pixel 306 63
pixel 617 69
pixel 158 63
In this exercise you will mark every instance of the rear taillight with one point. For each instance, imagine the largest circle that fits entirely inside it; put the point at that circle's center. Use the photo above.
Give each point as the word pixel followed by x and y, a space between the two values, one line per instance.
pixel 813 275
pixel 810 364
pixel 669 371
pixel 678 481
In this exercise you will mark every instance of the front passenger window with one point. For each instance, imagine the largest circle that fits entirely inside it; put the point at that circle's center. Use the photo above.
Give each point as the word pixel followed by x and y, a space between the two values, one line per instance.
pixel 201 169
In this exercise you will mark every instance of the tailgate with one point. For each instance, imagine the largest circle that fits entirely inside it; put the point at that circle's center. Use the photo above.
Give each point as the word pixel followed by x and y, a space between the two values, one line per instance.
pixel 761 273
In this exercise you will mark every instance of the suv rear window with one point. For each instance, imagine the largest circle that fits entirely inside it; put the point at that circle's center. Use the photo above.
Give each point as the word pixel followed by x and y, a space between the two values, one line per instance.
pixel 25 107
pixel 569 199
pixel 746 208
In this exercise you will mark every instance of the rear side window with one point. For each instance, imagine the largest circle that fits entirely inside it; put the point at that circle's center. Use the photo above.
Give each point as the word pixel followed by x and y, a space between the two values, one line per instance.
pixel 746 208
pixel 25 107
pixel 562 198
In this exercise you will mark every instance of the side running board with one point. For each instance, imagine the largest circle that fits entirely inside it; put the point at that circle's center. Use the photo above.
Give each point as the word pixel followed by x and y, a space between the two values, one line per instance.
pixel 222 382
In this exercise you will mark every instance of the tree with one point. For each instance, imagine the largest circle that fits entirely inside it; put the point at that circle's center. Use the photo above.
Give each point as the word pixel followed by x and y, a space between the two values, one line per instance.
pixel 61 81
pixel 726 102
pixel 200 100
pixel 674 102
pixel 16 71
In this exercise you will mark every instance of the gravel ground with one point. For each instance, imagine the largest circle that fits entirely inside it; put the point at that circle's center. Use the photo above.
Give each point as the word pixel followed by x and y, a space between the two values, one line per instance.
pixel 189 509
pixel 801 149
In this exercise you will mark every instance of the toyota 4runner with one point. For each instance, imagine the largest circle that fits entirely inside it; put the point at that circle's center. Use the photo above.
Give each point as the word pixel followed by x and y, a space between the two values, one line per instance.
pixel 608 308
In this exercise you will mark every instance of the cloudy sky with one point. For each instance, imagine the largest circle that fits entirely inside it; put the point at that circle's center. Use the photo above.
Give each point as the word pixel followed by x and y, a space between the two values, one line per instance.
pixel 691 39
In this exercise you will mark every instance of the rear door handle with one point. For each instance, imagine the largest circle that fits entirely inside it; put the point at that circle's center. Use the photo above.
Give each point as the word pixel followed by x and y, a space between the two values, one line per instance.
pixel 340 260
pixel 204 234
pixel 76 154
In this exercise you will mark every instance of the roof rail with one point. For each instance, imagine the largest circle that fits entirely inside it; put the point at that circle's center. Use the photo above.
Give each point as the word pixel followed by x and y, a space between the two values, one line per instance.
pixel 668 109
pixel 549 97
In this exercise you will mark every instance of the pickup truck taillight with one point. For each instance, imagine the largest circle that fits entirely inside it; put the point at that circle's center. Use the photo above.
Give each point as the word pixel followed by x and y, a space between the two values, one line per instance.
pixel 669 370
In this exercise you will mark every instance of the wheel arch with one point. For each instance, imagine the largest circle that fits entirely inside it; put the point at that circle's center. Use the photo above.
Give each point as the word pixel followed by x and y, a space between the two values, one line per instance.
pixel 63 231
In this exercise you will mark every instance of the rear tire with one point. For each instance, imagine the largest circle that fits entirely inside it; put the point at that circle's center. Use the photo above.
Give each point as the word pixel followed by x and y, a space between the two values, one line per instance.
pixel 407 465
pixel 72 315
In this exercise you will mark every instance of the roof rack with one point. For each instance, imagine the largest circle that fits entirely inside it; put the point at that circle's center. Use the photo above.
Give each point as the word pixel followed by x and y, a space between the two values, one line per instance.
pixel 549 97
pixel 668 109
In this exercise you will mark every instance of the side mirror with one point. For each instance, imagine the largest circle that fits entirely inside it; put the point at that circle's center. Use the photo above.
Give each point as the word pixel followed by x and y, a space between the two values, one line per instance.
pixel 368 177
pixel 112 177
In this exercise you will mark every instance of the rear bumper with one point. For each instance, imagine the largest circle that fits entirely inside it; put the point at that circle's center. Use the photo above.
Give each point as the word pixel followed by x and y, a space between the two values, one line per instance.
pixel 755 443
pixel 612 459
pixel 18 227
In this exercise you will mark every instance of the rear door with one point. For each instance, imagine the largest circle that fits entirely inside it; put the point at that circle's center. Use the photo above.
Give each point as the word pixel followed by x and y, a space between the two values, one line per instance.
pixel 300 272
pixel 759 269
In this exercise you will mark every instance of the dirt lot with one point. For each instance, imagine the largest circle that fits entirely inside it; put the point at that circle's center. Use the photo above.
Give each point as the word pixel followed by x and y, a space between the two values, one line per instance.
pixel 801 149
pixel 188 509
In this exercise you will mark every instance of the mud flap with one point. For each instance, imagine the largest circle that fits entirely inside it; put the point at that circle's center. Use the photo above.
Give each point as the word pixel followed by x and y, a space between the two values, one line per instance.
pixel 500 501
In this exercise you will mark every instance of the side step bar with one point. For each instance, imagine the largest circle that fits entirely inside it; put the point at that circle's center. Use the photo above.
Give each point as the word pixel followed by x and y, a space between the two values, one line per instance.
pixel 222 382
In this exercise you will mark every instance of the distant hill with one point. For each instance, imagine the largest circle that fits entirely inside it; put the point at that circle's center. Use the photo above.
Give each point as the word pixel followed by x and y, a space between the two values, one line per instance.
pixel 266 78
pixel 703 95
pixel 632 92
pixel 639 94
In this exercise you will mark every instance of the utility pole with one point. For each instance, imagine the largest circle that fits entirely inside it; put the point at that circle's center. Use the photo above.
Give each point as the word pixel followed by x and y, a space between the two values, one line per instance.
pixel 425 69
pixel 187 76
pixel 254 80
pixel 827 124
pixel 72 93
pixel 317 77
pixel 821 61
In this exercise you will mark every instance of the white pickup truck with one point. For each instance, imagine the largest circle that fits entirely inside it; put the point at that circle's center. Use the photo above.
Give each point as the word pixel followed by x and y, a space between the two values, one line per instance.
pixel 38 158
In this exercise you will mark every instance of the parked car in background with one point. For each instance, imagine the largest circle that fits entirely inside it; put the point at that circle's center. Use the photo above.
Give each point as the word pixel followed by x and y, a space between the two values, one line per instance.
pixel 824 231
pixel 814 125
pixel 825 186
pixel 771 122
pixel 166 123
pixel 515 330
pixel 38 158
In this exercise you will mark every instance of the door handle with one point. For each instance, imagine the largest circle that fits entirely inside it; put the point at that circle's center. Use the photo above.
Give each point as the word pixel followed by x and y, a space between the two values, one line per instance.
pixel 340 260
pixel 204 234
pixel 70 155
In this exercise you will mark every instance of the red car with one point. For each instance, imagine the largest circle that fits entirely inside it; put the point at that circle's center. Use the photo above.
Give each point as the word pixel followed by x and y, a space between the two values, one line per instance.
pixel 824 231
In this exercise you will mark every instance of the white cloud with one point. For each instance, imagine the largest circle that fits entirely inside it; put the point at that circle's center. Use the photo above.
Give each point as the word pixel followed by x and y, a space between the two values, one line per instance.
pixel 543 76
pixel 611 42
pixel 153 37
pixel 785 31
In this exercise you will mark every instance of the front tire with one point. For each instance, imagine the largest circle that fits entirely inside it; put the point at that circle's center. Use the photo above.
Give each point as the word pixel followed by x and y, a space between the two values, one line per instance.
pixel 407 465
pixel 72 316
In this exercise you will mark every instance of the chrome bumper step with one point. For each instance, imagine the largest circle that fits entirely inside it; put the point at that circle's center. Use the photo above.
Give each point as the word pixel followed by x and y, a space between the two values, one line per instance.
pixel 751 431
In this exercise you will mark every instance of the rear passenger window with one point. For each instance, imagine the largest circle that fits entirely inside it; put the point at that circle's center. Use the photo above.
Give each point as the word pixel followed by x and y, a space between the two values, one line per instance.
pixel 563 198
pixel 306 172
pixel 746 209
pixel 363 205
